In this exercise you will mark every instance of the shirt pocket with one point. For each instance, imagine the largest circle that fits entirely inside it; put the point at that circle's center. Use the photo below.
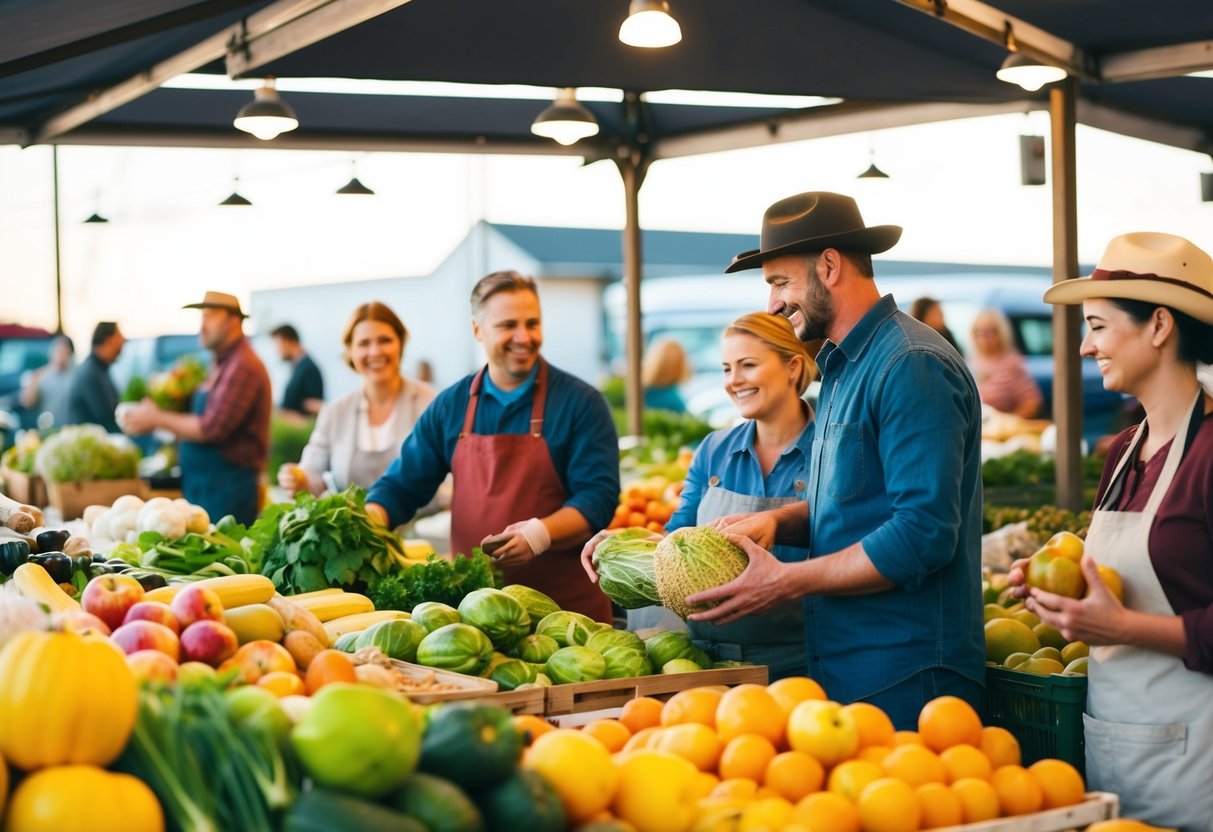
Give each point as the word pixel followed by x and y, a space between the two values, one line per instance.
pixel 842 461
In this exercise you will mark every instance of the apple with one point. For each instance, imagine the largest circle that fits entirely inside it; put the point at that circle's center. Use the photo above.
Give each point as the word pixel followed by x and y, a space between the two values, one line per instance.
pixel 153 611
pixel 152 666
pixel 823 730
pixel 358 739
pixel 258 658
pixel 1056 573
pixel 109 597
pixel 81 622
pixel 209 642
pixel 147 635
pixel 196 603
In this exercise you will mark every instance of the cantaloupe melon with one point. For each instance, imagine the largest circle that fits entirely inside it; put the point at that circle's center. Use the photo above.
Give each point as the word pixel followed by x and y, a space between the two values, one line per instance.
pixel 691 560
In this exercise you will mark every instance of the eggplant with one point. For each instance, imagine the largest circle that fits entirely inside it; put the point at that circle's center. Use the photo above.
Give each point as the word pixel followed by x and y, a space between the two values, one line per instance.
pixel 58 565
pixel 52 540
pixel 149 580
pixel 95 569
pixel 100 558
pixel 13 553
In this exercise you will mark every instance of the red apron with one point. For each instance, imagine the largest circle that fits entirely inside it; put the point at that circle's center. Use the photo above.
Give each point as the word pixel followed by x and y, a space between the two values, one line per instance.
pixel 502 478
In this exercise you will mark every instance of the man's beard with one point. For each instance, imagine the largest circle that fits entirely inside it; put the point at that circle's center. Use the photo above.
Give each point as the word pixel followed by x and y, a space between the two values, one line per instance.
pixel 816 310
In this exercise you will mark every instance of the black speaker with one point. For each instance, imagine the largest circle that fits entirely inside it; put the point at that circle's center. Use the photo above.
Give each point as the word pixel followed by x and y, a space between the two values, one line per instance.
pixel 1032 160
pixel 1206 187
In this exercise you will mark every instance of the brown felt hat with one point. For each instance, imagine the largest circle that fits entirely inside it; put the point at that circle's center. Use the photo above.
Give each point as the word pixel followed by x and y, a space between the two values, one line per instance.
pixel 218 300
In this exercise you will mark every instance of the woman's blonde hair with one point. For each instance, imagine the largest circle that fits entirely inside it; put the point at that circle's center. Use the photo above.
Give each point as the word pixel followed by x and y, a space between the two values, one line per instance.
pixel 777 334
pixel 665 364
pixel 994 317
pixel 373 311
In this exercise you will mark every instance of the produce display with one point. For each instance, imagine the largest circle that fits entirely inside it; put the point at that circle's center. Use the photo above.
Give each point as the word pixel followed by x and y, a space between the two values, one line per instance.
pixel 78 453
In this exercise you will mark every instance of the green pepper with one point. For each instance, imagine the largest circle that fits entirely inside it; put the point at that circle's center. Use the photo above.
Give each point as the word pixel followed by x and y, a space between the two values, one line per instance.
pixel 13 553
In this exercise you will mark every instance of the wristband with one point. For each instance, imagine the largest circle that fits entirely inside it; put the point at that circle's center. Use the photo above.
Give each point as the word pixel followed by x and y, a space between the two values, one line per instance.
pixel 536 535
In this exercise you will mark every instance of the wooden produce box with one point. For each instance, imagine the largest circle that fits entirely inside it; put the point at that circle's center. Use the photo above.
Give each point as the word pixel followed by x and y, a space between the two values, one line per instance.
pixel 528 701
pixel 614 693
pixel 1096 806
pixel 28 489
pixel 468 687
pixel 71 498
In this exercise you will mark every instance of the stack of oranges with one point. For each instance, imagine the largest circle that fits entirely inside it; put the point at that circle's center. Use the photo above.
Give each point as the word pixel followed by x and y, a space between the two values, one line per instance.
pixel 647 503
pixel 783 757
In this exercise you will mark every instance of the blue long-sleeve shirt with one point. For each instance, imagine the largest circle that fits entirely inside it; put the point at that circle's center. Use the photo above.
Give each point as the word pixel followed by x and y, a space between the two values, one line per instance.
pixel 577 427
pixel 896 465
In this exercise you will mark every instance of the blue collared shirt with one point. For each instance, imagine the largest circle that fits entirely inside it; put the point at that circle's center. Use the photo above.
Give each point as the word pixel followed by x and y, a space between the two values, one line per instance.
pixel 727 456
pixel 896 465
pixel 577 427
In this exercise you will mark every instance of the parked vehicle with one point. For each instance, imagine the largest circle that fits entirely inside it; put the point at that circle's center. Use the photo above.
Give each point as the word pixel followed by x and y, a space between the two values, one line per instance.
pixel 22 349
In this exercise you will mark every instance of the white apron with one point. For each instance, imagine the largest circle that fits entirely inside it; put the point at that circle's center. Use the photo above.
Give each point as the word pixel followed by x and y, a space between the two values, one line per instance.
pixel 1149 727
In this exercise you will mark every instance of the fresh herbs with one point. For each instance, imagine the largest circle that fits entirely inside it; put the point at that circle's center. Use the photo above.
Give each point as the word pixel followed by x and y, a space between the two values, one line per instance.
pixel 318 543
pixel 438 579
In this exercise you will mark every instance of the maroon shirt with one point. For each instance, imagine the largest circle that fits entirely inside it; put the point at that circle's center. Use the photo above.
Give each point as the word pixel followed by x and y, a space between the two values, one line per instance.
pixel 1181 538
pixel 237 415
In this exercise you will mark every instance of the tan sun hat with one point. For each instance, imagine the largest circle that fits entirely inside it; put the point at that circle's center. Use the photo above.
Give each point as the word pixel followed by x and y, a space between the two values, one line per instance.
pixel 218 300
pixel 1151 267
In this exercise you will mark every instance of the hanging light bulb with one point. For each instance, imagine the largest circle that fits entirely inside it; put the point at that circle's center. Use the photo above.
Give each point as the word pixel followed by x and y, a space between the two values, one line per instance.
pixel 267 115
pixel 650 25
pixel 565 119
pixel 1028 73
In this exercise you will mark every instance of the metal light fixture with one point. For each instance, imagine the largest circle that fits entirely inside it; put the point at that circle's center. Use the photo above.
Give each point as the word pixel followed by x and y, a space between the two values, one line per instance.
pixel 565 120
pixel 96 218
pixel 1027 72
pixel 354 186
pixel 650 25
pixel 267 115
pixel 235 198
pixel 872 172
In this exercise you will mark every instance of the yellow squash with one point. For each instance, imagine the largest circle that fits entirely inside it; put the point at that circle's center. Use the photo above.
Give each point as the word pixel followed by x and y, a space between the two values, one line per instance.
pixel 64 698
pixel 83 799
pixel 35 583
pixel 335 605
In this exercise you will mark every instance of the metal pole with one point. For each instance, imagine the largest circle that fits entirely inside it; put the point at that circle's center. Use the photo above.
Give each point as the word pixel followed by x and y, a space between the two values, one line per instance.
pixel 1067 320
pixel 632 170
pixel 58 270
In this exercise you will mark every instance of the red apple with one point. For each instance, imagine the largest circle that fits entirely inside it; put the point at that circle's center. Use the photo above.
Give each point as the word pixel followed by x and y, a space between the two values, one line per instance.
pixel 152 666
pixel 153 611
pixel 81 622
pixel 258 658
pixel 147 635
pixel 196 603
pixel 208 642
pixel 109 597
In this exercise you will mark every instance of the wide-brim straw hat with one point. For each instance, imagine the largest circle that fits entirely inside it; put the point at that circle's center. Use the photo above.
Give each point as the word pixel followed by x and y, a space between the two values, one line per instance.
pixel 218 300
pixel 1147 266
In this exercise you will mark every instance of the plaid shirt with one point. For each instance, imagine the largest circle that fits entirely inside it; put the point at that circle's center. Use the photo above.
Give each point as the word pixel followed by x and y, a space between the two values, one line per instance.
pixel 237 415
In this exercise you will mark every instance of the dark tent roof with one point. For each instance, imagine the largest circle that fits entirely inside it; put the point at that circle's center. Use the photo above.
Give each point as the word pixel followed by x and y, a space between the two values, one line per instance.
pixel 879 55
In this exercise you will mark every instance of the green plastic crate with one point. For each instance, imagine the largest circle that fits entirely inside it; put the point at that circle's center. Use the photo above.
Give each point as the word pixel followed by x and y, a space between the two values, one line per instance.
pixel 1043 712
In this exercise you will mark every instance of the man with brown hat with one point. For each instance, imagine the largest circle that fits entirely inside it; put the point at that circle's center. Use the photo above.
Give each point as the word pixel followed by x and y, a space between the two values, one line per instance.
pixel 893 517
pixel 225 435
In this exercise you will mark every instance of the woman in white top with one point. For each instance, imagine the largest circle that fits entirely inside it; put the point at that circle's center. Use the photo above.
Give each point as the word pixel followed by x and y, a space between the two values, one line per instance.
pixel 358 435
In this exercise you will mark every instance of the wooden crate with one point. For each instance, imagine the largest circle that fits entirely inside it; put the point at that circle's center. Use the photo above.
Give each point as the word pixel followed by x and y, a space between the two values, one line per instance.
pixel 469 687
pixel 614 693
pixel 27 489
pixel 528 701
pixel 1096 806
pixel 72 498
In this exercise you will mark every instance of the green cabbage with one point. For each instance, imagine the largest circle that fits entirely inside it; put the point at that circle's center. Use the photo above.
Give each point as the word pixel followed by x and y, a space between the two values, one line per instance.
pixel 691 560
pixel 495 614
pixel 458 647
pixel 535 648
pixel 575 664
pixel 432 615
pixel 624 663
pixel 569 629
pixel 536 604
pixel 604 640
pixel 624 563
pixel 397 639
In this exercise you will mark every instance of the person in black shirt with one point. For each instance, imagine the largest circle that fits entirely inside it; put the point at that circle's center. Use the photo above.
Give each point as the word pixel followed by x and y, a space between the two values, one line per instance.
pixel 304 392
pixel 91 396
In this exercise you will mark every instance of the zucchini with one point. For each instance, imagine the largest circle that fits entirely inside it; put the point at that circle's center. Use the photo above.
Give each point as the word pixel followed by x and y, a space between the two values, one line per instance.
pixel 323 810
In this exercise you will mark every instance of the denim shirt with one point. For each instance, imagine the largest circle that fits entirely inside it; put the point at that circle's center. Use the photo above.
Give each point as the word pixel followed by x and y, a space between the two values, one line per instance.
pixel 896 466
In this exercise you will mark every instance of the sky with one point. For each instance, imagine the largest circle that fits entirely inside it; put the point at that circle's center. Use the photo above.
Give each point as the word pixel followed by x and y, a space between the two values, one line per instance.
pixel 954 186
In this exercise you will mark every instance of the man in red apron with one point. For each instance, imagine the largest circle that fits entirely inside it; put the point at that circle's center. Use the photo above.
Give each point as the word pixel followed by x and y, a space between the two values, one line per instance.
pixel 533 452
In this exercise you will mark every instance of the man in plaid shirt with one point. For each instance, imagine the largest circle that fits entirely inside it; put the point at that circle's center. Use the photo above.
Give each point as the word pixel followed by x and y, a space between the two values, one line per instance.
pixel 224 438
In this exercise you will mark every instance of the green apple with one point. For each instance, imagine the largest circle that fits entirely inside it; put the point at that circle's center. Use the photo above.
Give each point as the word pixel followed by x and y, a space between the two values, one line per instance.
pixel 358 739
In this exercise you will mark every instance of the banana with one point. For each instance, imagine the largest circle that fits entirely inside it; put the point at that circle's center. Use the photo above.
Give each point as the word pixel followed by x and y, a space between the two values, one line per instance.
pixel 255 621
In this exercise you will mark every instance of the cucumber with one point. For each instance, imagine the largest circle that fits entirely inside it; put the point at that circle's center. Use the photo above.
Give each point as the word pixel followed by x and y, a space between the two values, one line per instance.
pixel 323 810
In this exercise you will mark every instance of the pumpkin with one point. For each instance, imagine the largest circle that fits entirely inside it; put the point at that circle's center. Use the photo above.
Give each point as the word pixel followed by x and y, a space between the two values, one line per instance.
pixel 66 698
pixel 83 799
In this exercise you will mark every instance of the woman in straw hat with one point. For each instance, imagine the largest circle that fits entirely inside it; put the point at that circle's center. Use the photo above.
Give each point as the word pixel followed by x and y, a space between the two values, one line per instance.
pixel 1149 728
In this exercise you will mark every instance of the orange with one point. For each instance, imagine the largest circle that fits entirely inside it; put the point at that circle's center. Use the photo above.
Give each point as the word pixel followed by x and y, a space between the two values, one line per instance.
pixel 531 726
pixel 691 741
pixel 729 787
pixel 906 738
pixel 641 712
pixel 704 784
pixel 578 767
pixel 1000 746
pixel 1018 791
pixel 940 806
pixel 641 739
pixel 850 778
pixel 915 764
pixel 746 756
pixel 765 813
pixel 749 709
pixel 791 691
pixel 874 753
pixel 283 683
pixel 875 727
pixel 329 666
pixel 610 732
pixel 826 812
pixel 889 805
pixel 964 760
pixel 947 721
pixel 978 800
pixel 794 774
pixel 694 705
pixel 1061 783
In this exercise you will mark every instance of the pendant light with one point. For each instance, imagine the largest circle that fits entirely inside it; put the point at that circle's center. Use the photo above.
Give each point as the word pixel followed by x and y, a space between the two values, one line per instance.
pixel 650 25
pixel 872 172
pixel 565 120
pixel 95 218
pixel 355 187
pixel 1027 72
pixel 235 198
pixel 267 115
